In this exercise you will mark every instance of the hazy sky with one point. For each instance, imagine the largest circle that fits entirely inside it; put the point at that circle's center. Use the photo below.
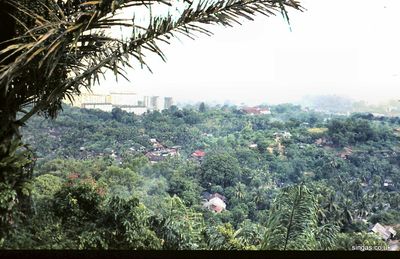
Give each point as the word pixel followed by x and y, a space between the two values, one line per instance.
pixel 344 47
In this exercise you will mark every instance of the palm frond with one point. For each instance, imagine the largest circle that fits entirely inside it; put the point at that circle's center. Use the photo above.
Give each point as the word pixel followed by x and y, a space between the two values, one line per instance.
pixel 292 220
pixel 61 47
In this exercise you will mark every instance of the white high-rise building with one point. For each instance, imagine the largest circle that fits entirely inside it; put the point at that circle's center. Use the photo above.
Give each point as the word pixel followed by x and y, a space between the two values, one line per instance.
pixel 154 103
pixel 94 98
pixel 126 100
pixel 168 102
pixel 107 107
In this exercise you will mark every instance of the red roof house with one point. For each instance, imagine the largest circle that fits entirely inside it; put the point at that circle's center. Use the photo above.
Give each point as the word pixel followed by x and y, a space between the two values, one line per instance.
pixel 255 110
pixel 199 153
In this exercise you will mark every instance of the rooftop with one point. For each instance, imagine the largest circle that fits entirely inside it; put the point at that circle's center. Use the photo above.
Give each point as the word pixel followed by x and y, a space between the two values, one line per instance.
pixel 199 153
pixel 384 232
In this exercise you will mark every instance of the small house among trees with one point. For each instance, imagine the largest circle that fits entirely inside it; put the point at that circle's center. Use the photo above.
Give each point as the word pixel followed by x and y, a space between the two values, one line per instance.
pixel 255 110
pixel 198 155
pixel 385 233
pixel 214 202
pixel 345 153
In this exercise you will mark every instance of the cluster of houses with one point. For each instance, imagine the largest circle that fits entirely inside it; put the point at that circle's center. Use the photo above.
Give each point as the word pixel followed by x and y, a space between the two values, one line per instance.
pixel 159 152
pixel 214 202
pixel 255 110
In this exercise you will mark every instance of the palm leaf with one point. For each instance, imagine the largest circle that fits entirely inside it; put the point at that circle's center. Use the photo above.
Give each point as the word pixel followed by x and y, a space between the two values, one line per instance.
pixel 292 220
pixel 64 48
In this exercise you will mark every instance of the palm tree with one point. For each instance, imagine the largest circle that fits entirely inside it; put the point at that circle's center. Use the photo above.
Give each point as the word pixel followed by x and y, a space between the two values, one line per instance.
pixel 346 214
pixel 179 226
pixel 240 190
pixel 322 215
pixel 363 208
pixel 258 196
pixel 394 200
pixel 331 207
pixel 51 49
pixel 292 222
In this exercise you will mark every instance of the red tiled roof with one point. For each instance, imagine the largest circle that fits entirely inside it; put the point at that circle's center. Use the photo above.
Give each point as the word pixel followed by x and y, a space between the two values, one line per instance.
pixel 222 197
pixel 251 110
pixel 254 110
pixel 73 176
pixel 199 153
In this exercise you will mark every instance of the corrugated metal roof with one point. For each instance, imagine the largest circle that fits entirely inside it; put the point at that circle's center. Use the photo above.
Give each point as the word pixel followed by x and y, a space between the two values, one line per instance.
pixel 381 231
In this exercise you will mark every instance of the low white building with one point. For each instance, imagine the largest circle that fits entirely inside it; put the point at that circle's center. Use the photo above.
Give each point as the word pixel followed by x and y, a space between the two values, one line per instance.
pixel 138 110
pixel 215 204
pixel 107 107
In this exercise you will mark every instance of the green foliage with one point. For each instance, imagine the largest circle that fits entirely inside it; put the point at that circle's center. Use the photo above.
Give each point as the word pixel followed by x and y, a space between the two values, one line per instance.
pixel 78 202
pixel 15 187
pixel 345 191
pixel 8 199
pixel 350 241
pixel 127 224
pixel 179 227
pixel 327 237
pixel 353 131
pixel 50 50
pixel 45 186
pixel 389 217
pixel 220 169
pixel 40 232
pixel 292 223
pixel 184 186
pixel 119 181
pixel 222 237
pixel 250 235
pixel 115 223
pixel 19 156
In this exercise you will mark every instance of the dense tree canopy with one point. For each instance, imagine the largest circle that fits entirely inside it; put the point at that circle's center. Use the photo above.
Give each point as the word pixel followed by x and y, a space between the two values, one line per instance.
pixel 142 205
pixel 220 169
pixel 292 180
pixel 51 49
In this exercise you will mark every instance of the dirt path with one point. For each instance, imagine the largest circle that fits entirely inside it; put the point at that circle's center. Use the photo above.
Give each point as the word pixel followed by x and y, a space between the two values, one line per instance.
pixel 394 245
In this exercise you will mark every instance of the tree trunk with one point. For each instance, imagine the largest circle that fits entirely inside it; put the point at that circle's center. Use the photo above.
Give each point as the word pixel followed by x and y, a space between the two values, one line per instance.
pixel 15 173
pixel 15 160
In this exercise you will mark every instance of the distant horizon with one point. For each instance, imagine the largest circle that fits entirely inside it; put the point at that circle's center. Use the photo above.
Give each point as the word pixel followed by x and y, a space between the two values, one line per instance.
pixel 300 101
pixel 356 56
pixel 244 99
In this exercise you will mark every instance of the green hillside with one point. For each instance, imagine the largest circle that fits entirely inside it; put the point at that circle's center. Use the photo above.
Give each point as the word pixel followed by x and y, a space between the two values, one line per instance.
pixel 121 181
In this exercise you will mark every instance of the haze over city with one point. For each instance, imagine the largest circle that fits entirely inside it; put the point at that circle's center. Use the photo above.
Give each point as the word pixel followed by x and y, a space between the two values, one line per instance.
pixel 270 136
pixel 346 48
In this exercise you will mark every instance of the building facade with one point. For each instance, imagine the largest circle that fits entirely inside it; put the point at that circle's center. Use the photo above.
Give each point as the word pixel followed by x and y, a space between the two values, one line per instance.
pixel 168 102
pixel 127 101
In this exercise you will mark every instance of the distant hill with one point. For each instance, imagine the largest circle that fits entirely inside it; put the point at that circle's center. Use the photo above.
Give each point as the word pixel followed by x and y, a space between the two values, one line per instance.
pixel 345 105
